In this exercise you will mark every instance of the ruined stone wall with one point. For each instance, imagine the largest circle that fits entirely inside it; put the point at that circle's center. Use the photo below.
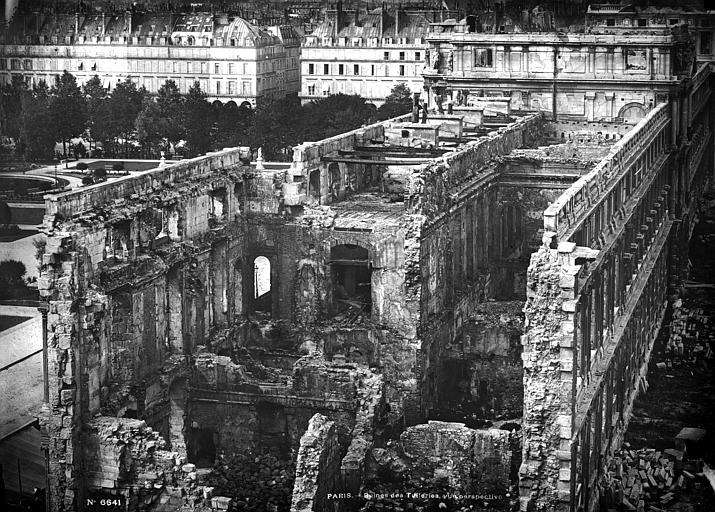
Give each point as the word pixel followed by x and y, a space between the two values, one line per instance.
pixel 461 241
pixel 129 288
pixel 318 181
pixel 596 294
pixel 462 459
pixel 482 378
pixel 317 469
pixel 444 182
pixel 369 415
pixel 300 267
pixel 300 254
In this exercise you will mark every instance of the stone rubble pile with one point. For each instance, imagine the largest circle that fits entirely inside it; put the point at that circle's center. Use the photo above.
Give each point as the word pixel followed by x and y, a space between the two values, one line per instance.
pixel 260 482
pixel 646 479
pixel 691 336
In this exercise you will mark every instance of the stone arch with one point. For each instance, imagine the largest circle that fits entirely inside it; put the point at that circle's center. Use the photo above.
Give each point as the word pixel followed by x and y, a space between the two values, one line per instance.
pixel 247 104
pixel 217 104
pixel 231 104
pixel 632 112
pixel 262 295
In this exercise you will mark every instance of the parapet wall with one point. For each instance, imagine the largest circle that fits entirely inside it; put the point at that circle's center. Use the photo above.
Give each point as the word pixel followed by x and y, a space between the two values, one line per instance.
pixel 309 155
pixel 566 213
pixel 103 194
pixel 440 184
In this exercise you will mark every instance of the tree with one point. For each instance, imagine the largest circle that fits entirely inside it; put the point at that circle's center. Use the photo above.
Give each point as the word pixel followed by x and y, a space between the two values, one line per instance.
pixel 12 284
pixel 79 150
pixel 171 103
pixel 5 215
pixel 198 120
pixel 100 174
pixel 11 106
pixel 96 95
pixel 233 126
pixel 277 127
pixel 335 114
pixel 397 103
pixel 81 166
pixel 160 118
pixel 67 109
pixel 36 133
pixel 123 107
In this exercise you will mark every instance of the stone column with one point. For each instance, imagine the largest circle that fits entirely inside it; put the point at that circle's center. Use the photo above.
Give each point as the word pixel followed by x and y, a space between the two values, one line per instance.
pixel 589 99
pixel 610 104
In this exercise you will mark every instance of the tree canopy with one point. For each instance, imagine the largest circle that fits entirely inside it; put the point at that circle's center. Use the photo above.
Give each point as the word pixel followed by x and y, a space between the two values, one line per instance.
pixel 68 112
pixel 130 122
pixel 397 103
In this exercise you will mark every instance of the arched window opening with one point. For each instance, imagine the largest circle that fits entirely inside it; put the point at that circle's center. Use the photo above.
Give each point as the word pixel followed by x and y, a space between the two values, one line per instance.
pixel 351 281
pixel 262 285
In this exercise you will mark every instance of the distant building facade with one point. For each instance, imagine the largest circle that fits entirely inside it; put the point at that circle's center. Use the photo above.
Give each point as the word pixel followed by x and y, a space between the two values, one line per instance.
pixel 629 19
pixel 581 76
pixel 365 53
pixel 231 59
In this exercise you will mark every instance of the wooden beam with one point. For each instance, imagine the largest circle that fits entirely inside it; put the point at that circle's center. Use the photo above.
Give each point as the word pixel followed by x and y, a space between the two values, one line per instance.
pixel 368 161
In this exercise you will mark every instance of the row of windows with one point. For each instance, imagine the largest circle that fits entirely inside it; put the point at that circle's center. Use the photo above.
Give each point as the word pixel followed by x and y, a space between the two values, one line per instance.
pixel 359 41
pixel 137 66
pixel 643 22
pixel 364 69
pixel 367 89
pixel 16 64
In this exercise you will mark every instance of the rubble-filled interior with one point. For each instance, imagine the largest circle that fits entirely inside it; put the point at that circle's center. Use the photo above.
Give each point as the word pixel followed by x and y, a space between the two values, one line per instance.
pixel 268 335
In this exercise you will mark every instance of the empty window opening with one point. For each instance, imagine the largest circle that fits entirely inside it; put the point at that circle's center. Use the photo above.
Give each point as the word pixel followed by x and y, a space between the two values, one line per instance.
pixel 314 185
pixel 218 203
pixel 405 134
pixel 202 446
pixel 273 428
pixel 334 173
pixel 120 242
pixel 172 225
pixel 351 281
pixel 262 285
